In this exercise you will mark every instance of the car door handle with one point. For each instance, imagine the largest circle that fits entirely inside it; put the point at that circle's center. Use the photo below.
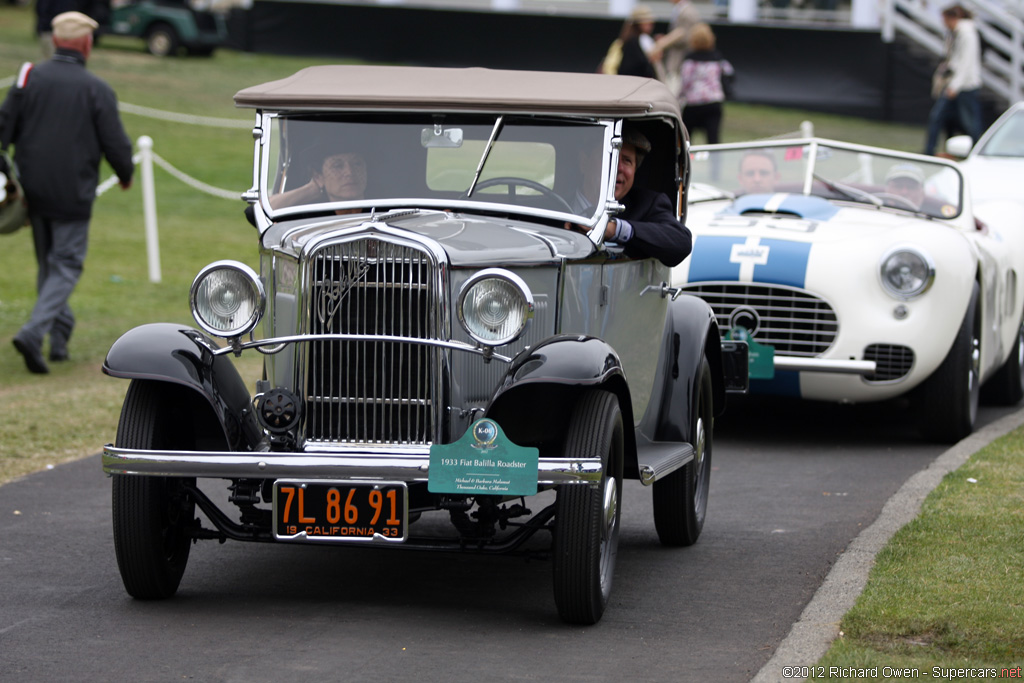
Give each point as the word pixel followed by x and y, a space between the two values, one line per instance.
pixel 663 289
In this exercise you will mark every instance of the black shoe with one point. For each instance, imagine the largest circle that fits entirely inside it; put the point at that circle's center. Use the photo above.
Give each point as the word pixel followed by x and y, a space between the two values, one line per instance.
pixel 59 355
pixel 33 357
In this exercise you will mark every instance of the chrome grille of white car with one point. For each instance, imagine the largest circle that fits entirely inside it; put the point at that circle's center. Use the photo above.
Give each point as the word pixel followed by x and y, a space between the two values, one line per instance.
pixel 892 361
pixel 371 392
pixel 794 322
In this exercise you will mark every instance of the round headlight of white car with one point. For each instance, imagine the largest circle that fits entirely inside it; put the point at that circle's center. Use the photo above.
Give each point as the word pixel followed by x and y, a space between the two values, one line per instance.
pixel 495 306
pixel 906 272
pixel 227 298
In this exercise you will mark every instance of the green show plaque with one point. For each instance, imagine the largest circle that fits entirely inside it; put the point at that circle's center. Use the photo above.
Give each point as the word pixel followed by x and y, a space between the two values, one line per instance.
pixel 483 461
pixel 760 357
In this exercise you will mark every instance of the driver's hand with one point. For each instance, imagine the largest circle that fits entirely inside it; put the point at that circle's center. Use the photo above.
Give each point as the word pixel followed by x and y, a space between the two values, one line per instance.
pixel 609 229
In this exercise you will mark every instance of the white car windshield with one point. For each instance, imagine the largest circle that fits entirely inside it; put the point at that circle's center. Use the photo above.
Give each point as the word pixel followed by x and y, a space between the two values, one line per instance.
pixel 833 171
pixel 1008 139
pixel 523 164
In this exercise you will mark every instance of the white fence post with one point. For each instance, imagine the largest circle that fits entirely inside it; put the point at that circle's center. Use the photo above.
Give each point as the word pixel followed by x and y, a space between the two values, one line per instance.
pixel 149 206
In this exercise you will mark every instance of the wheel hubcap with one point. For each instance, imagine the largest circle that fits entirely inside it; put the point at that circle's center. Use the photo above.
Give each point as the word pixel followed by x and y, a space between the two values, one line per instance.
pixel 699 461
pixel 611 505
pixel 160 44
pixel 609 531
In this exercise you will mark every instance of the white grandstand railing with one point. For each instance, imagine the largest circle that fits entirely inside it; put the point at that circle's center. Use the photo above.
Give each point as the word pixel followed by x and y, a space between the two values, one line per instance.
pixel 1001 31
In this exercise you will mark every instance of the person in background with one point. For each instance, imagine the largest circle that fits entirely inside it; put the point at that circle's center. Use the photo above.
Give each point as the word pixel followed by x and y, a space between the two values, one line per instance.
pixel 959 97
pixel 46 10
pixel 636 44
pixel 758 173
pixel 62 120
pixel 671 48
pixel 702 85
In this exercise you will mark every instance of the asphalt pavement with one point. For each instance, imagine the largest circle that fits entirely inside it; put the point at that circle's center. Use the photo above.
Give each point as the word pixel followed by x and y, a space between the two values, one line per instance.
pixel 802 497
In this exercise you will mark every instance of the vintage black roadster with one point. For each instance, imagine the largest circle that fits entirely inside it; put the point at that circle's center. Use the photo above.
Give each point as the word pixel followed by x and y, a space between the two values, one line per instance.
pixel 446 365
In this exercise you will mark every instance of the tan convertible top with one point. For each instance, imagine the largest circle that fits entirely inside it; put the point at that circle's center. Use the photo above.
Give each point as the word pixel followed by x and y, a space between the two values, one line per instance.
pixel 472 90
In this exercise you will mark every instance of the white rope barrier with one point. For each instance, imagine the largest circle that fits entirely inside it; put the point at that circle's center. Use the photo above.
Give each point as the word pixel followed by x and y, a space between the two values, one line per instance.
pixel 806 131
pixel 193 183
pixel 192 119
pixel 144 159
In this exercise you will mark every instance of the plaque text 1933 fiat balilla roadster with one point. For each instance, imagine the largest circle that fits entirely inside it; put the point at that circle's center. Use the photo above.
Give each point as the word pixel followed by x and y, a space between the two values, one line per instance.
pixel 455 356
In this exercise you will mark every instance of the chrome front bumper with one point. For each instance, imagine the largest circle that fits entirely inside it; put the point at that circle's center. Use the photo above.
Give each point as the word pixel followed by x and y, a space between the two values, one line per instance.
pixel 841 367
pixel 391 467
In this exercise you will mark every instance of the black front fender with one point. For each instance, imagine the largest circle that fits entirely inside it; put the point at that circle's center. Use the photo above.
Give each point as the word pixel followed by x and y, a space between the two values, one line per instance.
pixel 535 400
pixel 164 352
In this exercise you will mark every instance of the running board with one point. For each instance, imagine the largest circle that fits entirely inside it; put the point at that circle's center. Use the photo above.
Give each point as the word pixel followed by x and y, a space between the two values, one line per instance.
pixel 657 460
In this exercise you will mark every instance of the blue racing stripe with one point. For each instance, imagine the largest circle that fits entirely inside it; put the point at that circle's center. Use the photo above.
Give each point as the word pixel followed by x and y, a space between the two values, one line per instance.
pixel 710 259
pixel 787 263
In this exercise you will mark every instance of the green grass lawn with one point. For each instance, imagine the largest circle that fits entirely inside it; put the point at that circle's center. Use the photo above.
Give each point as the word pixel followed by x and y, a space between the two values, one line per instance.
pixel 946 591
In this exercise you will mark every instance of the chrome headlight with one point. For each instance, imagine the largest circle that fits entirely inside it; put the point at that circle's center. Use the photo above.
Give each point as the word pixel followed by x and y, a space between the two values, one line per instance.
pixel 227 298
pixel 906 272
pixel 495 306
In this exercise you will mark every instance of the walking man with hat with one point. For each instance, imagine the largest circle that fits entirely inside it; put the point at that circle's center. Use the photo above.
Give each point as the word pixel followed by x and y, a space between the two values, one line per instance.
pixel 62 120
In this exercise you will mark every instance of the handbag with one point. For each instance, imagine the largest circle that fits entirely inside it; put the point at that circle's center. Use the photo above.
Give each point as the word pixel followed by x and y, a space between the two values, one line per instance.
pixel 13 208
pixel 940 80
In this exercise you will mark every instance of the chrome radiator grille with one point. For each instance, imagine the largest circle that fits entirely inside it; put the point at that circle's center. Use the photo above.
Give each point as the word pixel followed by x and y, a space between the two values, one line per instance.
pixel 794 322
pixel 371 392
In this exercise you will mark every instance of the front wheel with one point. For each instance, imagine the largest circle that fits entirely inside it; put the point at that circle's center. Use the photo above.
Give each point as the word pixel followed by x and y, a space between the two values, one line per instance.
pixel 587 517
pixel 152 516
pixel 1006 386
pixel 681 498
pixel 949 398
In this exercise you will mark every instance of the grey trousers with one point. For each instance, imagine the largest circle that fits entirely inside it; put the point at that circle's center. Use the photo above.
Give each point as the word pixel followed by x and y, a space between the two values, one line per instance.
pixel 60 255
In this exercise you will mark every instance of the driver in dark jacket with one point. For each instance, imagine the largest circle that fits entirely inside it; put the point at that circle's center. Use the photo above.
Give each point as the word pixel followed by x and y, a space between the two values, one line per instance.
pixel 648 227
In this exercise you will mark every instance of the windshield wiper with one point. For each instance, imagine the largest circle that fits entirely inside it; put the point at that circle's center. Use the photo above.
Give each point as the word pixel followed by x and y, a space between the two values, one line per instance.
pixel 848 192
pixel 487 151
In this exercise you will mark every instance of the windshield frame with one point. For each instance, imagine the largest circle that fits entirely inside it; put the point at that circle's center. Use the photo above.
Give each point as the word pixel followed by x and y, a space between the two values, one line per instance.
pixel 266 171
pixel 811 152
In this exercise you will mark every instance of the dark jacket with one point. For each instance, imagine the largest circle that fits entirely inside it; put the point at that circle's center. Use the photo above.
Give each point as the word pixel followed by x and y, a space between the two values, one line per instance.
pixel 634 60
pixel 656 231
pixel 62 123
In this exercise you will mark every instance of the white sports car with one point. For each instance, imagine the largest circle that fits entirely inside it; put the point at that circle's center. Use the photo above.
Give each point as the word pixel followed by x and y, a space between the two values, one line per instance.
pixel 859 274
pixel 995 166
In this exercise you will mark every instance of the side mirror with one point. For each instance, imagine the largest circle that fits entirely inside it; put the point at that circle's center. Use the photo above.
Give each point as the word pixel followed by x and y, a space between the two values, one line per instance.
pixel 959 146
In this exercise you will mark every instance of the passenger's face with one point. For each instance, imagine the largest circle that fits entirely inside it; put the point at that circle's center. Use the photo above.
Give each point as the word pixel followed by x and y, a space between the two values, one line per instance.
pixel 344 176
pixel 627 170
pixel 757 175
pixel 908 188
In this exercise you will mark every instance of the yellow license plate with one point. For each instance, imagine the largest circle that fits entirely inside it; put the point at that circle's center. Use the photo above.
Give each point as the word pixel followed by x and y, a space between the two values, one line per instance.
pixel 340 511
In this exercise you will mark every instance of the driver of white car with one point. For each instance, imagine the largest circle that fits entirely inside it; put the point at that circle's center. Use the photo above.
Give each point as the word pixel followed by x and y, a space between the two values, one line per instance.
pixel 906 180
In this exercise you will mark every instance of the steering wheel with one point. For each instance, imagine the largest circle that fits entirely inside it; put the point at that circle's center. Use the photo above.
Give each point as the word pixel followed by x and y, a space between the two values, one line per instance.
pixel 898 200
pixel 513 182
